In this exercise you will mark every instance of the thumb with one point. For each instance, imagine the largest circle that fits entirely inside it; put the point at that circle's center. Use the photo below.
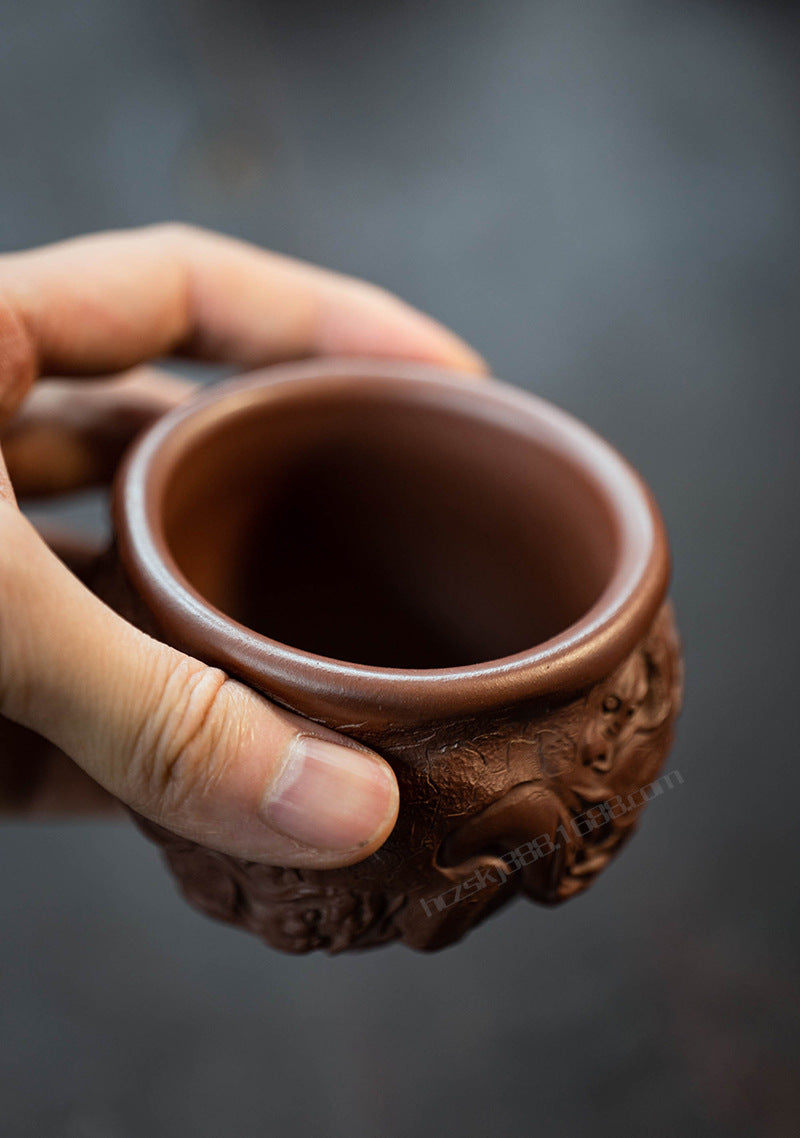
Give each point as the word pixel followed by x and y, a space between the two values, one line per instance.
pixel 181 743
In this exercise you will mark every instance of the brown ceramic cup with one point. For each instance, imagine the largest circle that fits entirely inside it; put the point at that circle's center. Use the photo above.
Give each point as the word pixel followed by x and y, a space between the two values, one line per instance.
pixel 452 572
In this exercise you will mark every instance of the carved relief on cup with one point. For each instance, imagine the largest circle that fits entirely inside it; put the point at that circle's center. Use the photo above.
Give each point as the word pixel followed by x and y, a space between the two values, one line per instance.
pixel 585 766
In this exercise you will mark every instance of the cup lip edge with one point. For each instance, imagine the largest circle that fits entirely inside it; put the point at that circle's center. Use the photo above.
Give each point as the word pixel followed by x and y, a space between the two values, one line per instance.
pixel 574 659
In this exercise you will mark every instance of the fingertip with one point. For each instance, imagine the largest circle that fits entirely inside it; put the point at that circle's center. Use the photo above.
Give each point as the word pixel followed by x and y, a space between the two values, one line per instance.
pixel 469 361
pixel 362 319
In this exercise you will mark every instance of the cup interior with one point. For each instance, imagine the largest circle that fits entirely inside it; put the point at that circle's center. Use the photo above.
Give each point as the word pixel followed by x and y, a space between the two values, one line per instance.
pixel 369 527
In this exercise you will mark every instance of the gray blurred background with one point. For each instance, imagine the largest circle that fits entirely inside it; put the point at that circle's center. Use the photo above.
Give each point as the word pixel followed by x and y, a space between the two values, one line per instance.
pixel 604 197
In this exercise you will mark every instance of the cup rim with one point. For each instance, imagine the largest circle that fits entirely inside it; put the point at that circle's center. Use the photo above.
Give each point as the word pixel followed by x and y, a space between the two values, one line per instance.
pixel 347 694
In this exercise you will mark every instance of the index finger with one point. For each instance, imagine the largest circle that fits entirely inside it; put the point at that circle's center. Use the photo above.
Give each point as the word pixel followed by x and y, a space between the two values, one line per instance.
pixel 109 301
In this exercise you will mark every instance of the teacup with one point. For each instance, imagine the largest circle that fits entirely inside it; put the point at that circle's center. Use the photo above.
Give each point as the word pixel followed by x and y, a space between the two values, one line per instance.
pixel 453 572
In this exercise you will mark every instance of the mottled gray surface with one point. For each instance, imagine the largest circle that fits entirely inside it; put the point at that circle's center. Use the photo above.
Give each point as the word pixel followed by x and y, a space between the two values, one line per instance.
pixel 604 197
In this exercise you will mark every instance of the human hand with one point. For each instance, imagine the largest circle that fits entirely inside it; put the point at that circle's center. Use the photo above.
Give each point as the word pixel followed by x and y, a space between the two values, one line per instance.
pixel 88 703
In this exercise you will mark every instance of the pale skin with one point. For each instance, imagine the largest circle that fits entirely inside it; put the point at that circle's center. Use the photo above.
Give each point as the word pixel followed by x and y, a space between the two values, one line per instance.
pixel 88 704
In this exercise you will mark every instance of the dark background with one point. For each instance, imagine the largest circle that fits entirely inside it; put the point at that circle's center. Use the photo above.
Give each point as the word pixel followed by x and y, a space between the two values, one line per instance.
pixel 604 198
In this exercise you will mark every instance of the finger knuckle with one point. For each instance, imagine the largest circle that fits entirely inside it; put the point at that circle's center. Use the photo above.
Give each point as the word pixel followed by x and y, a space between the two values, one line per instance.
pixel 17 358
pixel 18 550
pixel 180 753
pixel 177 233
